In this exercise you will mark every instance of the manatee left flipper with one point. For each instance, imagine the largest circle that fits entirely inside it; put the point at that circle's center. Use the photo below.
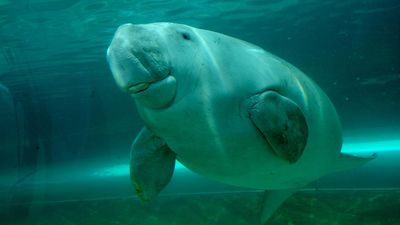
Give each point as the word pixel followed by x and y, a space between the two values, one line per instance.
pixel 281 122
pixel 152 165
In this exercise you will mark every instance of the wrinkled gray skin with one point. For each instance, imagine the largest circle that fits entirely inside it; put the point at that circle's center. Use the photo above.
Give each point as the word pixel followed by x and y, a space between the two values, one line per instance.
pixel 225 109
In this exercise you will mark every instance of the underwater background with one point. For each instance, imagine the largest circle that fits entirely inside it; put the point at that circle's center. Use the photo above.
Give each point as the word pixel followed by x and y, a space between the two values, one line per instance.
pixel 66 128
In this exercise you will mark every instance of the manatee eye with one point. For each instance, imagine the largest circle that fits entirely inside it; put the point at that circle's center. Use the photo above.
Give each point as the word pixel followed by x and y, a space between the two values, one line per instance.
pixel 185 36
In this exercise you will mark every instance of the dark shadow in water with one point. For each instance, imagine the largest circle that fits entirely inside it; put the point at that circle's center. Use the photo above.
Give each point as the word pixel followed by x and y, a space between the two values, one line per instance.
pixel 31 146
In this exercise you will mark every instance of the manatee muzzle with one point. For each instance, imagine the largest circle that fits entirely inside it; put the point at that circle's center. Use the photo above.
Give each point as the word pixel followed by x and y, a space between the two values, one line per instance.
pixel 138 58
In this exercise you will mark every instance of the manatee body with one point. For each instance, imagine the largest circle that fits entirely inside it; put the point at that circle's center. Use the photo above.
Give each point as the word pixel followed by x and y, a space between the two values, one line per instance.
pixel 225 109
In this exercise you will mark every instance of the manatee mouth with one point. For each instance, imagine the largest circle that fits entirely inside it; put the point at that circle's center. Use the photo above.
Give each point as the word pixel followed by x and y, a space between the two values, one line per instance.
pixel 137 88
pixel 144 85
pixel 148 72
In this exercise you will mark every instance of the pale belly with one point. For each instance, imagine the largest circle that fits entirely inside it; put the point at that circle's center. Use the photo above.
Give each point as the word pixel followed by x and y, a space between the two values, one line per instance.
pixel 215 138
pixel 233 151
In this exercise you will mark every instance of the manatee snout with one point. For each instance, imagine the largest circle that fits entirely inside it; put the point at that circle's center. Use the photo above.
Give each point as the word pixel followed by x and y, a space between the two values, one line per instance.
pixel 137 56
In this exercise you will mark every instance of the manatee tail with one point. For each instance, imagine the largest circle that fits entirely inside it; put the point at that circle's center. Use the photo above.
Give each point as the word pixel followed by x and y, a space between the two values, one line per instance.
pixel 272 200
pixel 347 162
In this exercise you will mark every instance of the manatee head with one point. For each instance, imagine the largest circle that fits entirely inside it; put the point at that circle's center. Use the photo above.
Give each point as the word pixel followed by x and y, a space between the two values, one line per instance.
pixel 152 62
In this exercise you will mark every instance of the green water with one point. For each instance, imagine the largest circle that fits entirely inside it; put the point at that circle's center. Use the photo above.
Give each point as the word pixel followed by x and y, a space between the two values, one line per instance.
pixel 322 208
pixel 66 128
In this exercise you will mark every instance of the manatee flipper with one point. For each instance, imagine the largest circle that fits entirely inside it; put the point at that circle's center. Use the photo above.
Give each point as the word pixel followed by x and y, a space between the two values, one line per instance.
pixel 347 162
pixel 272 200
pixel 152 165
pixel 281 122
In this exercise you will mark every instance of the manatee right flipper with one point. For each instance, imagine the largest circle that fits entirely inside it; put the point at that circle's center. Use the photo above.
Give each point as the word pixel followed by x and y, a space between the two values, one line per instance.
pixel 152 165
pixel 281 122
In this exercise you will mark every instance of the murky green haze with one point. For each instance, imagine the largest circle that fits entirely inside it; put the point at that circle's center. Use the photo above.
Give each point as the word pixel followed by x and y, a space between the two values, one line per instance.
pixel 64 123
